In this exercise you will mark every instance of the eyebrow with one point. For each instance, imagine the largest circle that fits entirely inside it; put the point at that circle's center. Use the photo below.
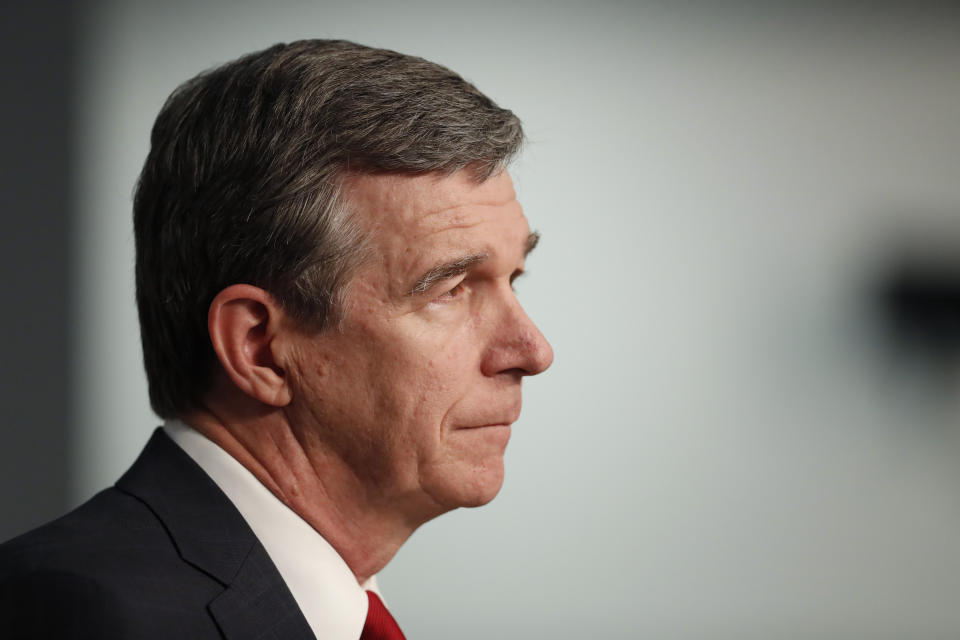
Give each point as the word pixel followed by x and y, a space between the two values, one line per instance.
pixel 459 266
pixel 445 271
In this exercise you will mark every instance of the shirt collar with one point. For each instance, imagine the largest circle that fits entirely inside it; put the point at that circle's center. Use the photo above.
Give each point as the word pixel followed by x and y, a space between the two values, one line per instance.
pixel 324 587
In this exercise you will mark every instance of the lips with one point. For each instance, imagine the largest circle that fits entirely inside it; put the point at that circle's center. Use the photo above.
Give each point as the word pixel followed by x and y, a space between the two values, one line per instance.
pixel 492 415
pixel 504 420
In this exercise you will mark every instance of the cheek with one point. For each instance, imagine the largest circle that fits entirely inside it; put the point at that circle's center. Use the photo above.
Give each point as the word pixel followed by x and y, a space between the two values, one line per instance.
pixel 409 369
pixel 418 384
pixel 452 360
pixel 426 378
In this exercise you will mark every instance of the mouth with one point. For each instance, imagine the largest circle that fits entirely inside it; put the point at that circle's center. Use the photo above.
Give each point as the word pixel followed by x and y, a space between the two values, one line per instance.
pixel 488 426
pixel 507 415
pixel 503 420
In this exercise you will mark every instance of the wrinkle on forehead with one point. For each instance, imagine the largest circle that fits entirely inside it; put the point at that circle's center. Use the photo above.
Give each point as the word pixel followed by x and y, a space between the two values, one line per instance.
pixel 442 227
pixel 454 215
pixel 460 217
pixel 421 197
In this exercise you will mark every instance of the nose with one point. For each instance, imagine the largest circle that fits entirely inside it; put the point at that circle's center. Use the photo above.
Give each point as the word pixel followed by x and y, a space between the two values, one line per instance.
pixel 518 346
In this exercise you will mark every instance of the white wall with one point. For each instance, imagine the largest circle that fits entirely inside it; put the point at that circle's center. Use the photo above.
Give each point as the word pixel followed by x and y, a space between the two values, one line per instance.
pixel 719 451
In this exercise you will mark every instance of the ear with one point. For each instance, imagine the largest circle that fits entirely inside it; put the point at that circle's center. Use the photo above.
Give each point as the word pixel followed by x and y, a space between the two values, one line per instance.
pixel 243 322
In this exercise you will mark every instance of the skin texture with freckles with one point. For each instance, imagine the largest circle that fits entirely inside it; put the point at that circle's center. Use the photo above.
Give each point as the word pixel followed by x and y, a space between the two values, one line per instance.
pixel 402 412
pixel 410 390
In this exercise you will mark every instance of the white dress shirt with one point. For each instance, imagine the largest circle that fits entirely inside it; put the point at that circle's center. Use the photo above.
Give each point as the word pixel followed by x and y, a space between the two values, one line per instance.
pixel 326 590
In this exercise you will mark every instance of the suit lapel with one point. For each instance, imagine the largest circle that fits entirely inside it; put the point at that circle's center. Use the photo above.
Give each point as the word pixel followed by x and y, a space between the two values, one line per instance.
pixel 212 536
pixel 252 598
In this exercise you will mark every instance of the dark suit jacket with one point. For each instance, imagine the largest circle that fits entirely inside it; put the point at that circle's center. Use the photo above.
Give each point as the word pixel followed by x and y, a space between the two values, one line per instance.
pixel 163 554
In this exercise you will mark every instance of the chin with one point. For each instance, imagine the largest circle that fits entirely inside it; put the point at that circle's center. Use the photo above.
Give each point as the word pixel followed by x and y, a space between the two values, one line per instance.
pixel 483 493
pixel 472 487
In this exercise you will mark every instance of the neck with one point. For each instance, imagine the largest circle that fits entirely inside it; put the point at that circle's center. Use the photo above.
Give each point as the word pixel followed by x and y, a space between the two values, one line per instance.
pixel 364 526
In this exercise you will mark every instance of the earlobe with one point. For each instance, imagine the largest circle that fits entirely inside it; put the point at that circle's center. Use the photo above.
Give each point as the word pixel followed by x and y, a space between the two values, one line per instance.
pixel 243 322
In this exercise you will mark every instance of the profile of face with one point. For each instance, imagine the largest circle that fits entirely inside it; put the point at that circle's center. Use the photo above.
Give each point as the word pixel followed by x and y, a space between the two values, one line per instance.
pixel 417 389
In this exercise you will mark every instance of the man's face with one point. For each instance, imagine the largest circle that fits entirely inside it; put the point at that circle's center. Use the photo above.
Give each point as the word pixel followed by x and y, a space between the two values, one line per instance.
pixel 417 391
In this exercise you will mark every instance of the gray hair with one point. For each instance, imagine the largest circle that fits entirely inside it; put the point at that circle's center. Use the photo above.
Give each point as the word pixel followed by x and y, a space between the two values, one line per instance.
pixel 243 185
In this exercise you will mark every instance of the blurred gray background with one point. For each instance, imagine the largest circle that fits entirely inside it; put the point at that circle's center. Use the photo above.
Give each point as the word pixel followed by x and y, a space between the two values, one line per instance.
pixel 751 236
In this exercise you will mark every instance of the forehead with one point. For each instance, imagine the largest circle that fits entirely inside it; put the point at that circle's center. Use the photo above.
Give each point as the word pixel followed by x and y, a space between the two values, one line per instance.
pixel 414 207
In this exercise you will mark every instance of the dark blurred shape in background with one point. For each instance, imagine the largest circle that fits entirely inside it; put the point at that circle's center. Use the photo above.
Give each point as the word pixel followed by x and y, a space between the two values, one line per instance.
pixel 919 299
pixel 37 47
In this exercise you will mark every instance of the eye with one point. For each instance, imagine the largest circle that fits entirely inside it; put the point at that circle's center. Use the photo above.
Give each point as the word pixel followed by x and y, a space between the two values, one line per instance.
pixel 452 294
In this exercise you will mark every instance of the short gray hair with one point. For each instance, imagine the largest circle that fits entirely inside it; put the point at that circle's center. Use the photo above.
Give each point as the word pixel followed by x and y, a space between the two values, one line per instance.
pixel 243 185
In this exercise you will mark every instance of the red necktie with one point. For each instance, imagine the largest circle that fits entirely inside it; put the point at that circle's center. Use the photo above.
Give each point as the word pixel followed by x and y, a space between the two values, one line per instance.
pixel 380 625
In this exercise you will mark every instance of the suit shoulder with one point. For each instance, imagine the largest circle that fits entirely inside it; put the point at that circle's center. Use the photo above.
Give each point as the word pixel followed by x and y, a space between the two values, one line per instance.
pixel 108 569
pixel 105 527
pixel 42 603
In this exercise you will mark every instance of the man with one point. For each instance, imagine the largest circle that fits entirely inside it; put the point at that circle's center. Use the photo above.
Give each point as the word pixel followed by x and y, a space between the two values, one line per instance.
pixel 326 241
